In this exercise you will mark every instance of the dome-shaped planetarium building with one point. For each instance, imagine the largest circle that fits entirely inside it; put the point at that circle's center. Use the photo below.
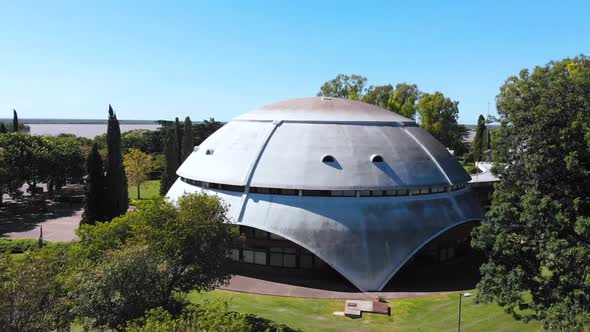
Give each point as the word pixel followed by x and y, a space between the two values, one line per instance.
pixel 348 184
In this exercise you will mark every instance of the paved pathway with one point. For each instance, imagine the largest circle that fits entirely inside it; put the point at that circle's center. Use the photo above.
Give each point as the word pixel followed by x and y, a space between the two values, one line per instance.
pixel 265 287
pixel 58 229
pixel 22 220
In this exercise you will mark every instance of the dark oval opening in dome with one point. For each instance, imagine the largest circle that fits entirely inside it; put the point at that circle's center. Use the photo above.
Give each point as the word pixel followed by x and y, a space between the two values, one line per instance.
pixel 328 159
pixel 376 158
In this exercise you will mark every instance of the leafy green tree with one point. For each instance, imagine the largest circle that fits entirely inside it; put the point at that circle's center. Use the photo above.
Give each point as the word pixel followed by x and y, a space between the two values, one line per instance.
pixel 95 188
pixel 26 158
pixel 141 260
pixel 537 238
pixel 344 86
pixel 138 165
pixel 135 139
pixel 169 175
pixel 178 146
pixel 154 141
pixel 117 194
pixel 14 121
pixel 403 100
pixel 121 287
pixel 378 95
pixel 65 161
pixel 2 128
pixel 132 139
pixel 438 115
pixel 32 293
pixel 188 142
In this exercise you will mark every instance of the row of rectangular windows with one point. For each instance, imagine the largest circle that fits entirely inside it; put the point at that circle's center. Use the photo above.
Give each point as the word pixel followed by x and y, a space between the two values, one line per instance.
pixel 325 193
pixel 278 257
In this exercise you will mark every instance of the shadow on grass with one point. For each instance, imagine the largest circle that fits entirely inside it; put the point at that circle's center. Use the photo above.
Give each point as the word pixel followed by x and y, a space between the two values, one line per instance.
pixel 263 324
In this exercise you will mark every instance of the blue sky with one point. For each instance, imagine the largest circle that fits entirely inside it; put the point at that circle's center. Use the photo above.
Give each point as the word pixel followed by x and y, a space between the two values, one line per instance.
pixel 219 59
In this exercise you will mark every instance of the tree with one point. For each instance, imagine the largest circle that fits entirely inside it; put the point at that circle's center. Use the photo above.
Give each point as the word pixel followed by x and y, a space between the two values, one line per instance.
pixel 479 144
pixel 65 161
pixel 188 142
pixel 178 146
pixel 26 158
pixel 35 159
pixel 438 115
pixel 141 260
pixel 404 99
pixel 95 188
pixel 2 128
pixel 117 194
pixel 378 95
pixel 537 237
pixel 14 121
pixel 32 293
pixel 204 129
pixel 169 175
pixel 138 165
pixel 344 86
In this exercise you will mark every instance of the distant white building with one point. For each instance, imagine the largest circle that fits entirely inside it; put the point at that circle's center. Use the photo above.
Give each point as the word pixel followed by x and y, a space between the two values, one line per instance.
pixel 317 181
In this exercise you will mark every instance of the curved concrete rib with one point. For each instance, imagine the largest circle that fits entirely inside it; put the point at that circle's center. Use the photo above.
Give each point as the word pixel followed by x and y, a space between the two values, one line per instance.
pixel 367 240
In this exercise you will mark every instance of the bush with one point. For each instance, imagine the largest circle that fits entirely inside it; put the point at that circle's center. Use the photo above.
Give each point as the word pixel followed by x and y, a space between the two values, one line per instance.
pixel 471 169
pixel 32 293
pixel 145 258
pixel 19 246
pixel 209 316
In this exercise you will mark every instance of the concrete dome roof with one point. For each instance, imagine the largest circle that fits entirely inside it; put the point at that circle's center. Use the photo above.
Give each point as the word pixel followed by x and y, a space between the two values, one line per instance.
pixel 323 109
pixel 282 145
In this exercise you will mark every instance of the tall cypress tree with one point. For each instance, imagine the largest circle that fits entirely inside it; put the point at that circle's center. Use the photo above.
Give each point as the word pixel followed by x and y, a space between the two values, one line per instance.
pixel 2 128
pixel 95 188
pixel 14 121
pixel 188 142
pixel 178 134
pixel 480 141
pixel 169 175
pixel 117 194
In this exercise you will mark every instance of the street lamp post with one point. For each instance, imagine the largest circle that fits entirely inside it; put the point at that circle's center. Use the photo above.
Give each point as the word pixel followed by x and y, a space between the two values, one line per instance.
pixel 461 295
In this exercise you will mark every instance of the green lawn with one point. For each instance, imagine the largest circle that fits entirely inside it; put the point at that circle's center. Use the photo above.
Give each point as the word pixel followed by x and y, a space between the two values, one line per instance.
pixel 149 189
pixel 429 313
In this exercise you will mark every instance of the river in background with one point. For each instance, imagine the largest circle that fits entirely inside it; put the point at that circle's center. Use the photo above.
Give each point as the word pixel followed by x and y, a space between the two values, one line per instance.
pixel 83 130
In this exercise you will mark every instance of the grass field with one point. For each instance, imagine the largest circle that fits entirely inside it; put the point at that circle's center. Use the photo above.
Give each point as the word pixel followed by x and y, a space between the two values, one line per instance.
pixel 149 189
pixel 429 313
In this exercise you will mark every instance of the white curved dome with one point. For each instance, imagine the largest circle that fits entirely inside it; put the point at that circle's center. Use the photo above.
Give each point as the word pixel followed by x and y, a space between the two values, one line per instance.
pixel 282 146
pixel 360 187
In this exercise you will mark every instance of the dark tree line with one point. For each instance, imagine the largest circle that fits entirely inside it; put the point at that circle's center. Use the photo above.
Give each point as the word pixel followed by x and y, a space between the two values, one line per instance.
pixel 179 143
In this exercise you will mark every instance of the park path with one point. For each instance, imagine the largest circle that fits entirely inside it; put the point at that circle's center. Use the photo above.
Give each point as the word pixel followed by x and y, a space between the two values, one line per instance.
pixel 59 229
pixel 265 287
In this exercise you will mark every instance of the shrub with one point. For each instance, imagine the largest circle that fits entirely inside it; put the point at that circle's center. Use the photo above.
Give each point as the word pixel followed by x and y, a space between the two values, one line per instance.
pixel 19 246
pixel 471 169
pixel 32 294
pixel 209 316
